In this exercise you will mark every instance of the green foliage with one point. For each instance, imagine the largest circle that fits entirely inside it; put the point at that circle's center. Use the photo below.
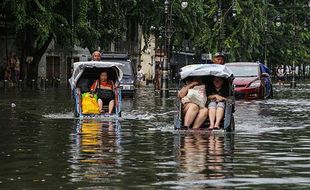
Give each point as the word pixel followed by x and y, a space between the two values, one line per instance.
pixel 250 35
pixel 20 13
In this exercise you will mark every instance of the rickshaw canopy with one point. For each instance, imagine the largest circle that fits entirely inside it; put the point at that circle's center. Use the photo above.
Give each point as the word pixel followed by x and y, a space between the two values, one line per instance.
pixel 79 67
pixel 205 70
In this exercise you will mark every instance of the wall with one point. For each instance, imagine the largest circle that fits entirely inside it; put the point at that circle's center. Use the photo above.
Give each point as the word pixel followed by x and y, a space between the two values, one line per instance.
pixel 10 48
pixel 147 59
pixel 63 55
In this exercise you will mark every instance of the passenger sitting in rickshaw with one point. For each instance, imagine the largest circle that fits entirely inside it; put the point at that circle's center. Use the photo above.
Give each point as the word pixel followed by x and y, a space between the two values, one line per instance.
pixel 216 104
pixel 193 97
pixel 105 92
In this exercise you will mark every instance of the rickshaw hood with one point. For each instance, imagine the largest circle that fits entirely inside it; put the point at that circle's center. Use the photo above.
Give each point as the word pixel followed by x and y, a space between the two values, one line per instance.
pixel 78 68
pixel 205 70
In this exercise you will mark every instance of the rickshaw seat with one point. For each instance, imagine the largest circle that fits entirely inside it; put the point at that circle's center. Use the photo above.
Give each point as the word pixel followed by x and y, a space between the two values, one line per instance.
pixel 207 122
pixel 83 84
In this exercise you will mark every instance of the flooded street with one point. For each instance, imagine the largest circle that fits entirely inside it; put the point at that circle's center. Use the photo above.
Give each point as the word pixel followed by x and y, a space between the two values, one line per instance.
pixel 42 146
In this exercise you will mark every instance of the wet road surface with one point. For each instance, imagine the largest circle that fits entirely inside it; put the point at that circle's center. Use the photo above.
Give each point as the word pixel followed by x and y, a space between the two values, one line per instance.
pixel 43 147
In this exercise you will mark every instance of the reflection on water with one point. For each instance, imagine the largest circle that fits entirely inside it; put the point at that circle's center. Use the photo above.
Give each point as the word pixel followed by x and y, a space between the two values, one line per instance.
pixel 42 146
pixel 203 157
pixel 96 151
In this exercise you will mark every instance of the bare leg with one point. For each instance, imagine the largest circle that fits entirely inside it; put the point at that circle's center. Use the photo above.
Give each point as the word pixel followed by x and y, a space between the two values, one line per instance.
pixel 100 104
pixel 111 106
pixel 211 117
pixel 111 126
pixel 191 111
pixel 200 118
pixel 219 117
pixel 157 84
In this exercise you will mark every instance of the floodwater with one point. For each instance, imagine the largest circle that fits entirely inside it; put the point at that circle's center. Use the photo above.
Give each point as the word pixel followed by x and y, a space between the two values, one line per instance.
pixel 42 146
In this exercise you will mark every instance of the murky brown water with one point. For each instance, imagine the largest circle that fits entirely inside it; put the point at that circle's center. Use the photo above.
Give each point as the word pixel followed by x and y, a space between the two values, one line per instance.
pixel 43 147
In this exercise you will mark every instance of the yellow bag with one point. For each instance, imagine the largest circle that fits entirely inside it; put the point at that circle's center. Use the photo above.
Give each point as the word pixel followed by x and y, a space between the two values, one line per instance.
pixel 89 105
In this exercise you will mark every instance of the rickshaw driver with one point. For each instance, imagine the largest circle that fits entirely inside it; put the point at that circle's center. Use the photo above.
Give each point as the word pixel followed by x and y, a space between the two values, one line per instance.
pixel 193 114
pixel 219 58
pixel 104 89
pixel 96 56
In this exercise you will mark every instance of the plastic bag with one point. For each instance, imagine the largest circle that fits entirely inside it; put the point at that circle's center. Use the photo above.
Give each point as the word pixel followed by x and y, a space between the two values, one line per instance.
pixel 87 94
pixel 89 105
pixel 196 95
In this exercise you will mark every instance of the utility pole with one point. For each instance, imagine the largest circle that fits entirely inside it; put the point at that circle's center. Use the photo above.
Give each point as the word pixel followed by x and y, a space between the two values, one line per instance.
pixel 164 91
pixel 72 32
pixel 293 82
pixel 169 30
pixel 266 33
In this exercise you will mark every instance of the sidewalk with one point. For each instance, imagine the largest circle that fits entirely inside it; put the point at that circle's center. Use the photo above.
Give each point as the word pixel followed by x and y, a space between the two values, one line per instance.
pixel 298 84
pixel 10 84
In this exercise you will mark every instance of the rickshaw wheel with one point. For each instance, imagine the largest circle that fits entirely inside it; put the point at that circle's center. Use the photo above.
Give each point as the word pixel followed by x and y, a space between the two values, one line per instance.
pixel 231 127
pixel 75 113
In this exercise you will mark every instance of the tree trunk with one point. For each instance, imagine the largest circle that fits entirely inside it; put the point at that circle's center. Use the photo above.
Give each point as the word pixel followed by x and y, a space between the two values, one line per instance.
pixel 29 71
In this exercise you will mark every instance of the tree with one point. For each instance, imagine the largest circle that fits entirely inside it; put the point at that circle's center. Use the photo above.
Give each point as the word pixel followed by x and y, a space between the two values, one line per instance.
pixel 293 35
pixel 99 22
pixel 36 24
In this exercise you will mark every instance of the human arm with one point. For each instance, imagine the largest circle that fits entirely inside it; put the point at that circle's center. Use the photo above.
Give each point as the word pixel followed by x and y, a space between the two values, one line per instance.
pixel 114 85
pixel 185 89
pixel 216 97
pixel 93 88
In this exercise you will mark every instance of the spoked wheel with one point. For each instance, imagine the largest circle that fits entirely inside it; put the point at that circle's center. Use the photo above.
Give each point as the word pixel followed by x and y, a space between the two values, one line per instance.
pixel 231 127
pixel 75 113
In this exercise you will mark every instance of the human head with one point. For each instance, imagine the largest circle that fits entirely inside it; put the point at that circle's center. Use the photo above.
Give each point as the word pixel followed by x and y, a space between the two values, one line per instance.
pixel 218 82
pixel 197 79
pixel 103 76
pixel 219 58
pixel 139 67
pixel 188 80
pixel 96 56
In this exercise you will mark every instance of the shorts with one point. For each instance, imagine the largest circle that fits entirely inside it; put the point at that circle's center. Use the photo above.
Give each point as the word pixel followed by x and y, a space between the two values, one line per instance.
pixel 281 78
pixel 215 105
pixel 106 96
pixel 106 101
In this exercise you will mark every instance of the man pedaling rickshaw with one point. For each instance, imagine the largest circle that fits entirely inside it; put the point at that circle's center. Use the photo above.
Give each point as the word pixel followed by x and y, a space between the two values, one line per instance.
pixel 104 89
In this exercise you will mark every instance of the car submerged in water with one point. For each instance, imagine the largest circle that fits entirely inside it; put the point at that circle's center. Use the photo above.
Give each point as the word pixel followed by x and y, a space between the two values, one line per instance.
pixel 252 80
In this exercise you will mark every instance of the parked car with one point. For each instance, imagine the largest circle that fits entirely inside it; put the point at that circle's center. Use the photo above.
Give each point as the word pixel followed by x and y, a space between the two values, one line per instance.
pixel 252 80
pixel 129 77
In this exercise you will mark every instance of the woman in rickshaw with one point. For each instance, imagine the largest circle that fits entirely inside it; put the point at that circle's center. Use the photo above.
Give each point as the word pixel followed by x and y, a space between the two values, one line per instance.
pixel 104 89
pixel 194 110
pixel 217 96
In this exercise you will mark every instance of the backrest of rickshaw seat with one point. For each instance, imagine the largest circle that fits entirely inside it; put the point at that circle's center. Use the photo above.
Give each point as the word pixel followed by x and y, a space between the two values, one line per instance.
pixel 208 81
pixel 84 85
